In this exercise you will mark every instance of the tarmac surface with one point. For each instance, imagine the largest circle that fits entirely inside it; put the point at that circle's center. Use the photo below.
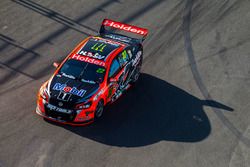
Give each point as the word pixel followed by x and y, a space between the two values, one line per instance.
pixel 190 107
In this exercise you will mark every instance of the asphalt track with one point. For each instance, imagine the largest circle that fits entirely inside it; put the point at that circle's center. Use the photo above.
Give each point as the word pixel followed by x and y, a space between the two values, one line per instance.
pixel 190 107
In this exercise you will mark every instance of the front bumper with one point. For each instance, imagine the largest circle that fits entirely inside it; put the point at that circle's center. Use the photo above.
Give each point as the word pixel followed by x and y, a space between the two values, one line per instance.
pixel 79 119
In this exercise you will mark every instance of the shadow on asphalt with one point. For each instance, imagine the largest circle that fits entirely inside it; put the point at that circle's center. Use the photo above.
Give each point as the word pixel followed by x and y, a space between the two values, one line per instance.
pixel 152 111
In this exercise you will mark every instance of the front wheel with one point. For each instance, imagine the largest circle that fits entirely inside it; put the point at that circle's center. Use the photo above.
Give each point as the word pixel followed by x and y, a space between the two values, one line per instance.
pixel 99 110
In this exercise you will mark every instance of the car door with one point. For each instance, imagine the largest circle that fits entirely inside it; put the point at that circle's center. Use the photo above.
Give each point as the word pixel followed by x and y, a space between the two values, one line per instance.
pixel 117 76
pixel 125 64
pixel 113 78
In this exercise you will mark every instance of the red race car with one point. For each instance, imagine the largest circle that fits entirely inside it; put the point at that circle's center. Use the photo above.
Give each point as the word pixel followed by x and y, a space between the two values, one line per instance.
pixel 96 73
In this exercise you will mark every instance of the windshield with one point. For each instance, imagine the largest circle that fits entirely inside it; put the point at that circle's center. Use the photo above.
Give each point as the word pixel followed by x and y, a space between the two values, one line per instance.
pixel 85 72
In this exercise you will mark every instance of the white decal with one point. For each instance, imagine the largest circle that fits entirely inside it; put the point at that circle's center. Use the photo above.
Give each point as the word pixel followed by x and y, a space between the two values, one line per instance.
pixel 137 58
pixel 90 54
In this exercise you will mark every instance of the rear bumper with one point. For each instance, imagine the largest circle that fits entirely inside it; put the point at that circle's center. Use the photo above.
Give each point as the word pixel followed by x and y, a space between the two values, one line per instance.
pixel 73 123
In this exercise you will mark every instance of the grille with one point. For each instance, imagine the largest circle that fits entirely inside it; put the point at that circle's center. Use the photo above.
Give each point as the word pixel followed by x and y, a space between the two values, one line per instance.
pixel 66 105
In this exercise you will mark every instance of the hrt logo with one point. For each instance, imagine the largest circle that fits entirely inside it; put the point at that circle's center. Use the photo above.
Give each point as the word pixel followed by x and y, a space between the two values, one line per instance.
pixel 126 27
pixel 67 89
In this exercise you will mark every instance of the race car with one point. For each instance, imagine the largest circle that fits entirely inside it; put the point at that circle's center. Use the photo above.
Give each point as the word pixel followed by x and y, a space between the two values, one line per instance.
pixel 96 73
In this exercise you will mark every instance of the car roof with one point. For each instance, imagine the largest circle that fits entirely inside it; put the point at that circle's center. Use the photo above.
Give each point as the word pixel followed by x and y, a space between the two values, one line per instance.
pixel 98 48
pixel 102 48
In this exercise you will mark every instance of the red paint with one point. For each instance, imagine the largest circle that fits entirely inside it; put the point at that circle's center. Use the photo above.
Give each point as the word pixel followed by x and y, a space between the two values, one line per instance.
pixel 125 27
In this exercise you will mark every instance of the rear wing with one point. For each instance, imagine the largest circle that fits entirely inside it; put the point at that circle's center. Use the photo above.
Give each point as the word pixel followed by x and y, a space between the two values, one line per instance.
pixel 124 27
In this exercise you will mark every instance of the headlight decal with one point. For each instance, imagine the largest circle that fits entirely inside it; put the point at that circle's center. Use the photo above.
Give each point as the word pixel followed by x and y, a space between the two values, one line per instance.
pixel 84 105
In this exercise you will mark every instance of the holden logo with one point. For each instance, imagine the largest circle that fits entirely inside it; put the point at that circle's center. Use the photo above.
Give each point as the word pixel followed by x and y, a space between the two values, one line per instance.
pixel 60 104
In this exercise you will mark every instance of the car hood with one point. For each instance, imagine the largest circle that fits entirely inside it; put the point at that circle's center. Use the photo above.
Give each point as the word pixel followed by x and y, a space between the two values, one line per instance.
pixel 70 91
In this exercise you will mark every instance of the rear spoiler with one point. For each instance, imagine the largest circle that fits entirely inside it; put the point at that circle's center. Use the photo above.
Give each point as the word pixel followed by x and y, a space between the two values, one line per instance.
pixel 121 26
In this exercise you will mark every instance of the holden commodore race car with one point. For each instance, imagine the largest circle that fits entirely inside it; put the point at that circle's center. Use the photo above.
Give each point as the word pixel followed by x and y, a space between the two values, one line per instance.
pixel 96 73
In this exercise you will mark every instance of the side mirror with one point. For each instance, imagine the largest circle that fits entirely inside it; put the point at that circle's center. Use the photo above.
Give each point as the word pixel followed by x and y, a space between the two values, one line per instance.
pixel 55 64
pixel 113 80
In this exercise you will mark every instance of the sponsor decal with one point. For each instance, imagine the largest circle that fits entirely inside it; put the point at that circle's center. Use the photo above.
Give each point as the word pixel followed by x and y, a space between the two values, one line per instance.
pixel 117 94
pixel 98 47
pixel 68 89
pixel 88 81
pixel 60 104
pixel 98 95
pixel 116 44
pixel 92 55
pixel 124 55
pixel 52 107
pixel 129 53
pixel 100 70
pixel 137 58
pixel 125 27
pixel 88 59
pixel 68 76
pixel 64 96
pixel 123 39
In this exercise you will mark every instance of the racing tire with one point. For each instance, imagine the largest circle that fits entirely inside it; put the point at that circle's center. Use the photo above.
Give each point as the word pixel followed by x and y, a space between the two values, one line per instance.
pixel 99 110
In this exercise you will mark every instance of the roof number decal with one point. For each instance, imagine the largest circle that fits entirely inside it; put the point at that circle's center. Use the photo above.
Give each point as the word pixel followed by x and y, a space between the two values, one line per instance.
pixel 98 47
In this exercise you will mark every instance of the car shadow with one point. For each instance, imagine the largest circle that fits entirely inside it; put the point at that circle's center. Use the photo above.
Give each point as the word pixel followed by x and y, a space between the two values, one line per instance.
pixel 152 111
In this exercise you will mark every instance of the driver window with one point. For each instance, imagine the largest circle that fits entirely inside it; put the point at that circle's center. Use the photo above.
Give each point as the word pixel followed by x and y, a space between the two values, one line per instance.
pixel 123 57
pixel 114 68
pixel 130 54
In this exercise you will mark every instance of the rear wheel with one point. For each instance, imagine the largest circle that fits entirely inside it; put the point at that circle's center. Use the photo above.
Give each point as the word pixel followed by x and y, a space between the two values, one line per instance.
pixel 99 110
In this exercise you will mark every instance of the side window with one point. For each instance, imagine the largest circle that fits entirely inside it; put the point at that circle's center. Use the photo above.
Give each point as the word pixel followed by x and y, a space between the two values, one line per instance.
pixel 135 49
pixel 123 57
pixel 130 54
pixel 114 68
